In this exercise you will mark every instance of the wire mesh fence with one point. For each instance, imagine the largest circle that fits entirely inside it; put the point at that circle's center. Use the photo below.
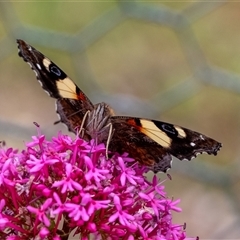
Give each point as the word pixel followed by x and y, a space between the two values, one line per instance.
pixel 174 61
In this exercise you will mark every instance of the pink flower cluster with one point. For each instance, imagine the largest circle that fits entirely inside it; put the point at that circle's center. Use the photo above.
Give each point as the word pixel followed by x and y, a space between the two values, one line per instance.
pixel 68 186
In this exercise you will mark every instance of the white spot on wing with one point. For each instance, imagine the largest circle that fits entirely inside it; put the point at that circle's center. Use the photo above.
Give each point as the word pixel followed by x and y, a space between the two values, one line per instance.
pixel 192 144
pixel 36 73
pixel 38 66
pixel 31 66
pixel 181 132
pixel 201 136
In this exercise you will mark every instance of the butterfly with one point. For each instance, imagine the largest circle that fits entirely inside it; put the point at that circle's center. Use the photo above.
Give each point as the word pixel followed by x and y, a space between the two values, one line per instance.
pixel 152 143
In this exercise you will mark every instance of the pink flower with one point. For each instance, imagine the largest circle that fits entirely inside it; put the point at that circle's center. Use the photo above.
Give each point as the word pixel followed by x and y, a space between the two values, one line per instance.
pixel 41 213
pixel 67 183
pixel 68 186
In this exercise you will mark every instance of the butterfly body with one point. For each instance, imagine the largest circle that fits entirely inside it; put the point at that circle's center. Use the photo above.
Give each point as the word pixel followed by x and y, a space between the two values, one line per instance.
pixel 149 142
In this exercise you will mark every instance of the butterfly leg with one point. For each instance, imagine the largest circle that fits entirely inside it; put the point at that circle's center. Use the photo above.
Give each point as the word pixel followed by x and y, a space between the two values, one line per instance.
pixel 110 134
pixel 81 129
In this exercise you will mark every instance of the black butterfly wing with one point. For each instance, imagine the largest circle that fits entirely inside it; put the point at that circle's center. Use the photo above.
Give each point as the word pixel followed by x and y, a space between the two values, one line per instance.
pixel 153 142
pixel 72 104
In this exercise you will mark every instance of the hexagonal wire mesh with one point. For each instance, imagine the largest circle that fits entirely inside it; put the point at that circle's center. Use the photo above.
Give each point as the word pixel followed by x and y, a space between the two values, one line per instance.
pixel 178 61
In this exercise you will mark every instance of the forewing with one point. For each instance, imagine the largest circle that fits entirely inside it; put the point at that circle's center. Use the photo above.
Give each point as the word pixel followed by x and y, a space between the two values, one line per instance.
pixel 72 103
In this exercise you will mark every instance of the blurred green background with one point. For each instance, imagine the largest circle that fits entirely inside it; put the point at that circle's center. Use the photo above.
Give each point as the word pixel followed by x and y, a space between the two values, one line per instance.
pixel 174 61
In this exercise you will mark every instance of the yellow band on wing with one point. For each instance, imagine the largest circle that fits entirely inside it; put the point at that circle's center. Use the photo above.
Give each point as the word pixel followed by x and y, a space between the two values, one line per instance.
pixel 67 88
pixel 181 132
pixel 46 63
pixel 156 134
